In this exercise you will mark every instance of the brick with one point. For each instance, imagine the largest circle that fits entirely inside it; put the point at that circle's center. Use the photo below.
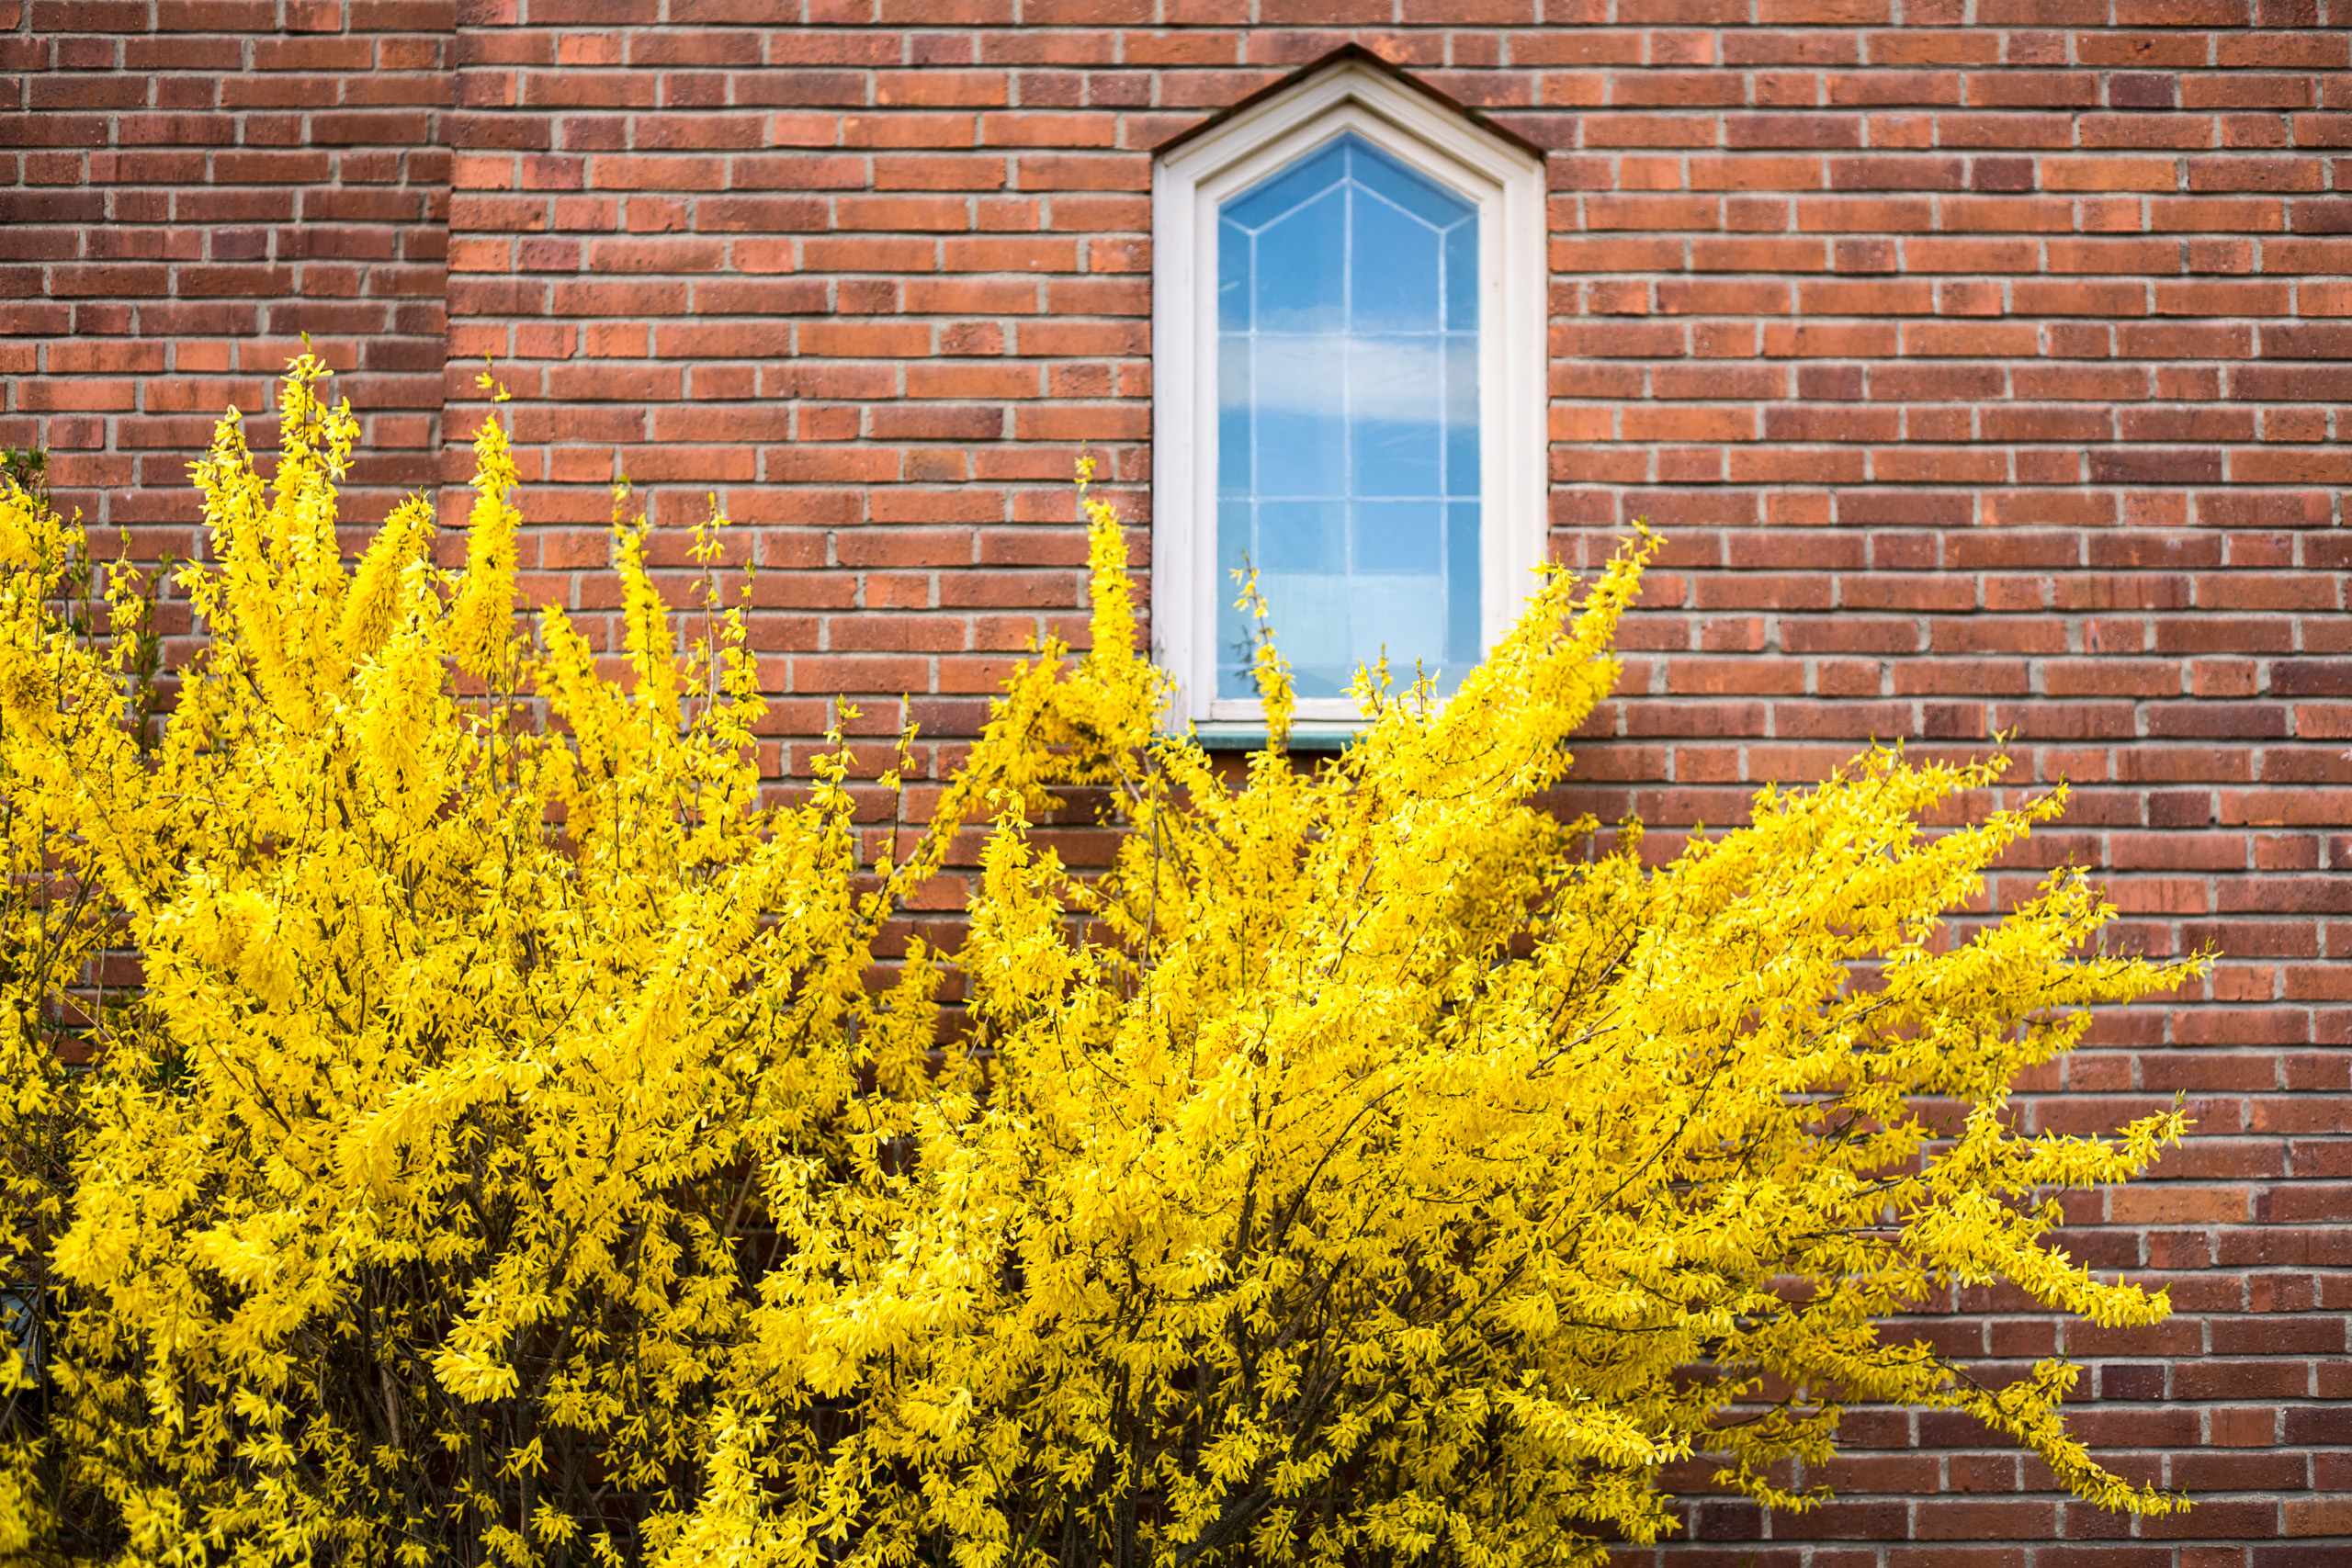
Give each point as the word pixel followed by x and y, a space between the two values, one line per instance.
pixel 2110 174
pixel 1990 362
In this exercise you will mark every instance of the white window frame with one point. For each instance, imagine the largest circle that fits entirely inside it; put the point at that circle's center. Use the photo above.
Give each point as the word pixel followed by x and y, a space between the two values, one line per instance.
pixel 1505 183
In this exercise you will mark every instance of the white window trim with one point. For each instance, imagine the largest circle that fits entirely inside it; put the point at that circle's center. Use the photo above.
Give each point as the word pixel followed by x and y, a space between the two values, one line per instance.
pixel 1506 182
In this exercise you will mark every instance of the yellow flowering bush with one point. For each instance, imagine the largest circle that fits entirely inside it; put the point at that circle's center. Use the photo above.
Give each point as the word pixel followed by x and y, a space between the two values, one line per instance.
pixel 514 1152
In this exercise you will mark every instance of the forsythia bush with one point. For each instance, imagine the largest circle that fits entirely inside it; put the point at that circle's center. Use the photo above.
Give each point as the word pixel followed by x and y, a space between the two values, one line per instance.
pixel 509 1152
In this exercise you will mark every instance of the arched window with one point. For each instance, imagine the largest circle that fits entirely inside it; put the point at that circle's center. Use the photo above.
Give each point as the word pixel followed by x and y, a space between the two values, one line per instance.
pixel 1350 351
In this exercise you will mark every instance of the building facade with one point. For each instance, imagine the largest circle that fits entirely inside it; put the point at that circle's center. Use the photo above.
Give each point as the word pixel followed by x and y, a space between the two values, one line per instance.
pixel 1986 364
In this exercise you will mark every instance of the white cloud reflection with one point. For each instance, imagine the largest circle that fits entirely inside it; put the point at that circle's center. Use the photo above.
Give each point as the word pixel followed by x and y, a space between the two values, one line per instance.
pixel 1390 379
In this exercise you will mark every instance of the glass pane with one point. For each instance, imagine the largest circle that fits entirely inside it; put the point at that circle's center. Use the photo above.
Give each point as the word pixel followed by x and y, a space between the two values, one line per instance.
pixel 1303 535
pixel 1299 410
pixel 1462 589
pixel 1270 198
pixel 1461 278
pixel 1233 446
pixel 1310 617
pixel 1397 286
pixel 1461 415
pixel 1301 266
pixel 1236 632
pixel 1395 391
pixel 1395 537
pixel 1405 186
pixel 1348 418
pixel 1399 619
pixel 1232 279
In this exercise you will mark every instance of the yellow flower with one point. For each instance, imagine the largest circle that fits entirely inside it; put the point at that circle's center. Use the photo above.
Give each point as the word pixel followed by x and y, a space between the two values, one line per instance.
pixel 526 1140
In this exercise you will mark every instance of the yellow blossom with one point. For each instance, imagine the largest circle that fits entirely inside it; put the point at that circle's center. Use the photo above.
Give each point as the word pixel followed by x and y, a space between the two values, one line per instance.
pixel 517 1148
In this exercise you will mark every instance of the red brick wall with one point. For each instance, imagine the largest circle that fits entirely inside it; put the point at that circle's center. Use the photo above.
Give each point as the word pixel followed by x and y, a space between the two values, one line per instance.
pixel 1984 359
pixel 187 187
pixel 871 287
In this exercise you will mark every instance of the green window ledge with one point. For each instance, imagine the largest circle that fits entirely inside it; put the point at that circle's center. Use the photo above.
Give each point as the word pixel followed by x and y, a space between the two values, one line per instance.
pixel 1249 735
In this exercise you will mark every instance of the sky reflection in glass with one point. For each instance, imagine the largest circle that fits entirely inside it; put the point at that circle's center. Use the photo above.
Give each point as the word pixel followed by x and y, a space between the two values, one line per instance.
pixel 1348 419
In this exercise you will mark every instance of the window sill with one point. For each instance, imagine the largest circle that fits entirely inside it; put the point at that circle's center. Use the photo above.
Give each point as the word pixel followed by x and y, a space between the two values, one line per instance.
pixel 1249 735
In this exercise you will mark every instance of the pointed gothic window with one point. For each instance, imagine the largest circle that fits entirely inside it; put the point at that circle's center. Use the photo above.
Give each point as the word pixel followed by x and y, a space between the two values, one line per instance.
pixel 1350 391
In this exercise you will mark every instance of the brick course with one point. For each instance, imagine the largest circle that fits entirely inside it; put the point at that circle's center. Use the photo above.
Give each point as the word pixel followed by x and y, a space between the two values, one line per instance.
pixel 1987 363
pixel 186 187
